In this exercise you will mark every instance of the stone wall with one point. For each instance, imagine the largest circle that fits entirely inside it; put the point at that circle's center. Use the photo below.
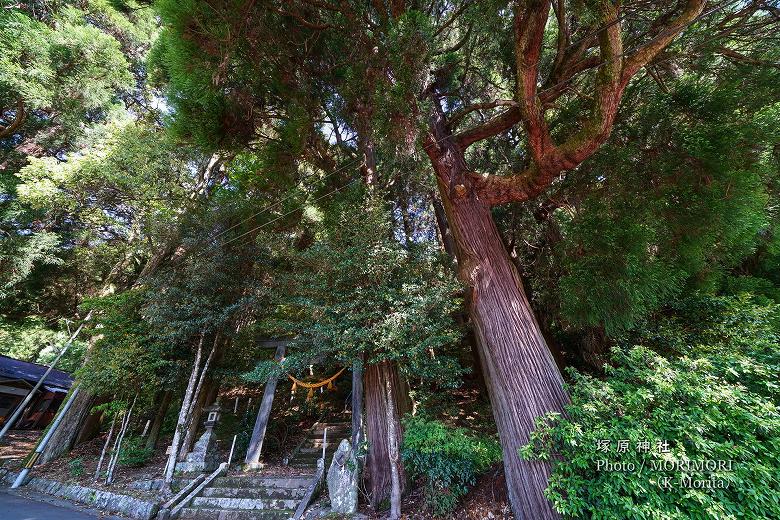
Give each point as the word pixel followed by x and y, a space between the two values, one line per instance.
pixel 107 501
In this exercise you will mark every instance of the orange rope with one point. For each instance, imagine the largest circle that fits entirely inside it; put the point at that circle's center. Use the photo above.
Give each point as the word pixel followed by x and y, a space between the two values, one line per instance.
pixel 312 386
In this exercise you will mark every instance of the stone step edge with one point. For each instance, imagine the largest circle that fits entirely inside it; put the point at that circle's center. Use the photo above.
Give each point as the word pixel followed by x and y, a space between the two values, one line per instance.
pixel 245 504
pixel 214 513
pixel 261 493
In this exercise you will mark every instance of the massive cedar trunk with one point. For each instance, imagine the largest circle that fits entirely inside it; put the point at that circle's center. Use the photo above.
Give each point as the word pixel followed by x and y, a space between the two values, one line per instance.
pixel 90 428
pixel 522 377
pixel 523 380
pixel 378 409
pixel 448 244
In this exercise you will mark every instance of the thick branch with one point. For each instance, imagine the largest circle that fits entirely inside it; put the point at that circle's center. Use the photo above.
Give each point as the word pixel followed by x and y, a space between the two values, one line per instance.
pixel 495 190
pixel 648 51
pixel 733 55
pixel 19 118
pixel 489 128
pixel 614 73
pixel 529 24
pixel 460 114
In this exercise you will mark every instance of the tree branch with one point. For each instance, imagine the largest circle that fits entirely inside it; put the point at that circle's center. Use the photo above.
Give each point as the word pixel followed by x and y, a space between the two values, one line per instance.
pixel 648 51
pixel 529 24
pixel 459 115
pixel 614 72
pixel 19 118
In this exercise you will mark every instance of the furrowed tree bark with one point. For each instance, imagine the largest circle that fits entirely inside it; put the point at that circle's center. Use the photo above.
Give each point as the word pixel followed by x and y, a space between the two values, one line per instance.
pixel 92 424
pixel 378 411
pixel 159 418
pixel 65 437
pixel 523 380
pixel 522 377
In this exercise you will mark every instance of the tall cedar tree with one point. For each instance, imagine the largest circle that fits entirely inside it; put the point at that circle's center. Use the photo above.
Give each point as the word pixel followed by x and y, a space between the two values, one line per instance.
pixel 432 74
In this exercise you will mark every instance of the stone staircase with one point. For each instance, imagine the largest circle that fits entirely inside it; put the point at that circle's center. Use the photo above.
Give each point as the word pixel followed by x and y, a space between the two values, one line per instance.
pixel 305 457
pixel 253 496
pixel 247 497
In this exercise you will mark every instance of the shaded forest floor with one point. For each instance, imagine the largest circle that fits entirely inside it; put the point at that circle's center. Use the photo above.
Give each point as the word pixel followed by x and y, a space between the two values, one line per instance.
pixel 17 444
pixel 487 500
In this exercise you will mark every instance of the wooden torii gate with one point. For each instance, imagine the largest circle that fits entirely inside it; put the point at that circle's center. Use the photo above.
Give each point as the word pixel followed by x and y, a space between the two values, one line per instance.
pixel 252 459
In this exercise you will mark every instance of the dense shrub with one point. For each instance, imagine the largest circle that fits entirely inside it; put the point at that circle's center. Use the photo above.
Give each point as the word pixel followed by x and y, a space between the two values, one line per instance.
pixel 76 467
pixel 448 459
pixel 134 453
pixel 717 403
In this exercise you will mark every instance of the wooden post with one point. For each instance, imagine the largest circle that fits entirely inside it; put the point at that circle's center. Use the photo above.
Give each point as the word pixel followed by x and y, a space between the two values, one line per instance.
pixel 263 414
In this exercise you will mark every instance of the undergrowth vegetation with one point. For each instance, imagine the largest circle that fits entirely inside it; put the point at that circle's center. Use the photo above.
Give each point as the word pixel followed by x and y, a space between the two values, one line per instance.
pixel 694 434
pixel 447 459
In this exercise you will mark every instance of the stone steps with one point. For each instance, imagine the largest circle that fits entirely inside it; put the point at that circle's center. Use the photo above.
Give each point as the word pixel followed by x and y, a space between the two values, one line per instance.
pixel 252 492
pixel 308 455
pixel 333 429
pixel 330 449
pixel 244 504
pixel 312 457
pixel 204 513
pixel 262 481
pixel 266 497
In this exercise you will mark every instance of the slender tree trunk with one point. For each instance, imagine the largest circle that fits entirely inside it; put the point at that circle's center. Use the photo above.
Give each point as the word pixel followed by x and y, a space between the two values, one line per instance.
pixel 357 404
pixel 120 438
pixel 445 235
pixel 105 448
pixel 393 455
pixel 522 377
pixel 199 399
pixel 115 448
pixel 181 423
pixel 159 418
pixel 378 409
pixel 199 402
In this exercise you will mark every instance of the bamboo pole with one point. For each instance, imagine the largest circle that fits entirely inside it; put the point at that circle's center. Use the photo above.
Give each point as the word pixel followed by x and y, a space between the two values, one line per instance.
pixel 20 409
pixel 39 449
pixel 105 447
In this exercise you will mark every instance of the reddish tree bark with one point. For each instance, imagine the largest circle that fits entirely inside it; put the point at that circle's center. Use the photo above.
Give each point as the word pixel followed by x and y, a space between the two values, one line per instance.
pixel 523 380
pixel 378 409
pixel 522 377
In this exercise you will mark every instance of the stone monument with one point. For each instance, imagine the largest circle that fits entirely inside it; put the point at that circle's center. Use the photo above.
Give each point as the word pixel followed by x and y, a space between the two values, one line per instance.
pixel 342 480
pixel 204 456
